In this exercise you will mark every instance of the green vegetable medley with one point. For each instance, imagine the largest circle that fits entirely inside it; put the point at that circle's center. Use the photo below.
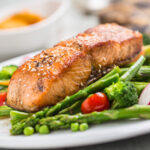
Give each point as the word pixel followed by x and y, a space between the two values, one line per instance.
pixel 122 86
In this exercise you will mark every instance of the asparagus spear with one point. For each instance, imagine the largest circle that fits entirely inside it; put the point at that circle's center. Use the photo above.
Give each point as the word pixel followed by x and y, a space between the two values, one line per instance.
pixel 68 101
pixel 112 72
pixel 17 116
pixel 5 111
pixel 30 121
pixel 133 70
pixel 59 121
pixel 74 108
pixel 140 86
pixel 142 75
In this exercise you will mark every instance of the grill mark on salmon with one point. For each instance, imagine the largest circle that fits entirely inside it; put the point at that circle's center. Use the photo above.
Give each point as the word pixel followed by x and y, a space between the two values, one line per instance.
pixel 67 67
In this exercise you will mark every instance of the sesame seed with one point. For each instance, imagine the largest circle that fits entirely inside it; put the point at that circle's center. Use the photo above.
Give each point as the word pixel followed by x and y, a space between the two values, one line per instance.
pixel 33 69
pixel 19 80
pixel 99 70
pixel 41 56
pixel 104 59
pixel 29 67
pixel 104 72
pixel 82 84
pixel 100 66
pixel 21 102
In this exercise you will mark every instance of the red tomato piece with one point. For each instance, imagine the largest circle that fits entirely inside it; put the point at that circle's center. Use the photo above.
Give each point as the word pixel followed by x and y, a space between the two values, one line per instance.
pixel 2 98
pixel 96 102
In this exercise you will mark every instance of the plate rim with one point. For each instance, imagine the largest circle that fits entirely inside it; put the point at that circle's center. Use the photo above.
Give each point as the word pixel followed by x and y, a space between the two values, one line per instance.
pixel 84 142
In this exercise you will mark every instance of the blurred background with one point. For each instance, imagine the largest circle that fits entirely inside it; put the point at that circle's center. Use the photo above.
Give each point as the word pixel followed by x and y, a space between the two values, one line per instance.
pixel 31 25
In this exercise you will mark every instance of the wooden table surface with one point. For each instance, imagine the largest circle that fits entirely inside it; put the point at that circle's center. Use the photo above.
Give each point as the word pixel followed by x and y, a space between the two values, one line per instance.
pixel 74 23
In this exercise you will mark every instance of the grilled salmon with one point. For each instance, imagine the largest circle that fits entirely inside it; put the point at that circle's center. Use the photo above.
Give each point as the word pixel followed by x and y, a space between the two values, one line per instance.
pixel 67 67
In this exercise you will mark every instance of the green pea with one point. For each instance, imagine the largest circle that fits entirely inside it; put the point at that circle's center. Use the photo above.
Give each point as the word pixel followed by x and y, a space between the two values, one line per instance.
pixel 37 127
pixel 83 127
pixel 74 127
pixel 44 129
pixel 28 131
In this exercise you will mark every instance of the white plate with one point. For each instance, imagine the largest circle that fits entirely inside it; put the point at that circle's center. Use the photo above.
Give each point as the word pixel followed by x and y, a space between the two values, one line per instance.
pixel 106 132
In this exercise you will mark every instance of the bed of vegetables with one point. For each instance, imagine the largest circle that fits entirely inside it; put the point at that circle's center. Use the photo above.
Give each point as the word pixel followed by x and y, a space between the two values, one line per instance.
pixel 123 93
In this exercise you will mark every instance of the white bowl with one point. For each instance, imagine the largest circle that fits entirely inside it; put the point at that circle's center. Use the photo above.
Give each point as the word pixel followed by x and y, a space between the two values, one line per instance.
pixel 14 42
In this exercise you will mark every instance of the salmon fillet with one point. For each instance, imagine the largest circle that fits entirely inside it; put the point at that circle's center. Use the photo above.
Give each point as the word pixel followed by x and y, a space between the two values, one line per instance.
pixel 67 67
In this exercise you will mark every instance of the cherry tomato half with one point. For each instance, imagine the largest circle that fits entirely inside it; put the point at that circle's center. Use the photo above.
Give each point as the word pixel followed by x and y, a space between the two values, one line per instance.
pixel 2 98
pixel 96 102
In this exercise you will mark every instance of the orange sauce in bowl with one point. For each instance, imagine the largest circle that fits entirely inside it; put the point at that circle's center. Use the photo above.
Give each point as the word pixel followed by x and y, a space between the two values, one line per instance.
pixel 20 19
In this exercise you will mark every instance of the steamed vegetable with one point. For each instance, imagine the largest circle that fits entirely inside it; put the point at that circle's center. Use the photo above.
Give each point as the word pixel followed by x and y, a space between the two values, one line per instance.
pixel 146 39
pixel 44 129
pixel 28 131
pixel 140 86
pixel 145 96
pixel 122 94
pixel 74 127
pixel 95 102
pixel 74 108
pixel 3 89
pixel 142 75
pixel 83 126
pixel 2 98
pixel 65 121
pixel 5 75
pixel 7 72
pixel 17 116
pixel 132 71
pixel 5 111
pixel 67 102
